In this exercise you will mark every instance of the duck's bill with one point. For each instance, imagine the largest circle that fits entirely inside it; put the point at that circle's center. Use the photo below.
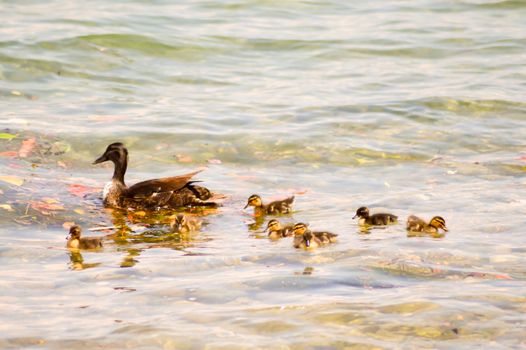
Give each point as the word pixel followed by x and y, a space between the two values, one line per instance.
pixel 101 159
pixel 445 228
pixel 246 206
pixel 307 243
pixel 354 217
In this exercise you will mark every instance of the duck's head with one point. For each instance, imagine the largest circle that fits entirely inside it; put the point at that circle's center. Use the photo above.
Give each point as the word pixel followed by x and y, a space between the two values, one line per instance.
pixel 299 228
pixel 178 222
pixel 273 225
pixel 362 212
pixel 438 222
pixel 74 232
pixel 116 152
pixel 307 238
pixel 254 201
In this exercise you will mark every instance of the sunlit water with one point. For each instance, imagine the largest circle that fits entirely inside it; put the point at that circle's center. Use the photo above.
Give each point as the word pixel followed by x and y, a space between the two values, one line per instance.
pixel 410 107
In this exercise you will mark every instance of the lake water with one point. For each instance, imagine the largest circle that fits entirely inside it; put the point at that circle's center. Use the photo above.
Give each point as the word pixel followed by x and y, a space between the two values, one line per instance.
pixel 409 107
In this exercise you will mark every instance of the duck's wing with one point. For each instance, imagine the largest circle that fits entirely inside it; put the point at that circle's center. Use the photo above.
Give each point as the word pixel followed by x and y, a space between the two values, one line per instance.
pixel 90 243
pixel 326 237
pixel 148 188
pixel 414 223
pixel 383 219
pixel 287 231
pixel 283 206
pixel 288 201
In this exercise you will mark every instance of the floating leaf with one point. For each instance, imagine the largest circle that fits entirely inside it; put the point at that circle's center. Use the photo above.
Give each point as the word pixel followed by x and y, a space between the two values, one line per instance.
pixel 79 211
pixel 13 180
pixel 6 207
pixel 27 147
pixel 183 158
pixel 80 190
pixel 50 200
pixel 9 154
pixel 214 161
pixel 292 190
pixel 7 136
pixel 44 207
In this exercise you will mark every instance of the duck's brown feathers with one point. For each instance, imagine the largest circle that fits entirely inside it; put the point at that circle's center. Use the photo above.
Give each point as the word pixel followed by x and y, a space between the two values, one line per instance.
pixel 182 223
pixel 168 192
pixel 147 188
pixel 280 233
pixel 311 239
pixel 279 207
pixel 325 237
pixel 75 241
pixel 381 219
pixel 90 243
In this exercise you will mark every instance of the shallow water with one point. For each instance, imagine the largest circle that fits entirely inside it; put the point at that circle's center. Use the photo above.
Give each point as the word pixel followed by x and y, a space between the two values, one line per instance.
pixel 408 107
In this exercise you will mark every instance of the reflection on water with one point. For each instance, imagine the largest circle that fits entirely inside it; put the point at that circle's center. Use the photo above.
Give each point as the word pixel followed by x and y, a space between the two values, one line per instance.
pixel 77 261
pixel 129 260
pixel 256 223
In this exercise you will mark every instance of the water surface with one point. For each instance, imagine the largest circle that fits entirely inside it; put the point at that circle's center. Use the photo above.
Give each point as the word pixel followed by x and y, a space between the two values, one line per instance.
pixel 411 107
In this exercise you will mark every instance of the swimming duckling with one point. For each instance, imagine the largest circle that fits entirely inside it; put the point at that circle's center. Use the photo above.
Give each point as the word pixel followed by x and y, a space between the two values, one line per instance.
pixel 283 206
pixel 415 224
pixel 376 219
pixel 304 238
pixel 184 223
pixel 275 231
pixel 76 242
pixel 167 192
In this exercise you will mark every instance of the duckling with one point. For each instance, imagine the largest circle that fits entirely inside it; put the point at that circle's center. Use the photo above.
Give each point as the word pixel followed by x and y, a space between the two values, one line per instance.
pixel 415 224
pixel 275 231
pixel 184 223
pixel 304 238
pixel 283 206
pixel 167 192
pixel 376 219
pixel 76 242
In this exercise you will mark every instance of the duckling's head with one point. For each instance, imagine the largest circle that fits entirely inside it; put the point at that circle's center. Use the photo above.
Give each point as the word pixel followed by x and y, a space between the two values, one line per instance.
pixel 362 212
pixel 299 228
pixel 438 222
pixel 74 232
pixel 178 222
pixel 254 201
pixel 115 152
pixel 273 225
pixel 307 238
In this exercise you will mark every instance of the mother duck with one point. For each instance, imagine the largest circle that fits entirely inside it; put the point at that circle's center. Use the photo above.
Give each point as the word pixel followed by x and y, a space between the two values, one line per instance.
pixel 166 192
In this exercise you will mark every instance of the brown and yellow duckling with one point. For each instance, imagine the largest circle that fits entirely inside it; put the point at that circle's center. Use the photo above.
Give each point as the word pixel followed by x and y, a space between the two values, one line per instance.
pixel 77 242
pixel 276 231
pixel 305 238
pixel 283 206
pixel 167 192
pixel 415 224
pixel 376 219
pixel 182 223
